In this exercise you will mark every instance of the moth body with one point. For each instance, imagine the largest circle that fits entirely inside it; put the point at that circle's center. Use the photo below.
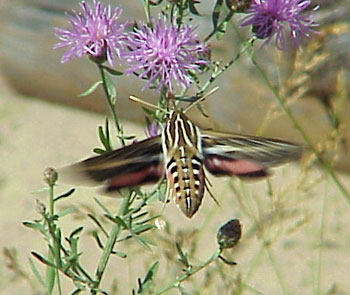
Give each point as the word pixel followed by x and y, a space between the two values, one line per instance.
pixel 182 150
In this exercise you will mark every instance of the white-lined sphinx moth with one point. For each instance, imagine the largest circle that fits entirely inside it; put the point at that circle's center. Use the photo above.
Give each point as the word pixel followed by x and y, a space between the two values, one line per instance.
pixel 180 154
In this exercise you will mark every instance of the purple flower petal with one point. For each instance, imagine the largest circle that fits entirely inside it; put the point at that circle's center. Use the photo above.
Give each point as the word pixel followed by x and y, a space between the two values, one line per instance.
pixel 269 19
pixel 164 54
pixel 152 130
pixel 95 31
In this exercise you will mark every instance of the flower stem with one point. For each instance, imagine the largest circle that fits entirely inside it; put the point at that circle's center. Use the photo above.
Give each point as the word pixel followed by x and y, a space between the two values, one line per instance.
pixel 124 207
pixel 215 75
pixel 111 105
pixel 147 10
pixel 326 167
pixel 54 254
pixel 107 251
pixel 213 32
pixel 190 273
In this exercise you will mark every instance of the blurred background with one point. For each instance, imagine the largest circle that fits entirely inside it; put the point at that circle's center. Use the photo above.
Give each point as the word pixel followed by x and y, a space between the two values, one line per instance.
pixel 43 123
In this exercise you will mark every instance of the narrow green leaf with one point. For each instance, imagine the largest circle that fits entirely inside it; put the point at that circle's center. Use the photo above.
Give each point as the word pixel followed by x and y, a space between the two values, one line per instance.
pixel 142 241
pixel 40 190
pixel 36 273
pixel 76 231
pixel 135 217
pixel 216 13
pixel 121 222
pixel 151 272
pixel 120 254
pixel 33 225
pixel 229 262
pixel 155 3
pixel 42 259
pixel 112 71
pixel 98 291
pixel 183 256
pixel 65 212
pixel 108 141
pixel 50 274
pixel 65 195
pixel 127 137
pixel 66 266
pixel 91 89
pixel 102 206
pixel 58 247
pixel 112 92
pixel 149 219
pixel 74 257
pixel 79 285
pixel 97 238
pixel 76 291
pixel 73 243
pixel 192 7
pixel 139 282
pixel 99 151
pixel 142 228
pixel 221 30
pixel 102 137
pixel 99 224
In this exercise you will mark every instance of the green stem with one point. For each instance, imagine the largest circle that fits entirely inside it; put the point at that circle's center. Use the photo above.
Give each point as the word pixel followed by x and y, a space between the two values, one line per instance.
pixel 111 105
pixel 124 207
pixel 213 32
pixel 107 251
pixel 320 251
pixel 190 273
pixel 51 201
pixel 276 268
pixel 215 75
pixel 326 167
pixel 147 10
pixel 55 247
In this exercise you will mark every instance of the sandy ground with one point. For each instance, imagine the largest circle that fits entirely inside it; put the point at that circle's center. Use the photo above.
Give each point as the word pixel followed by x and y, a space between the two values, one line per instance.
pixel 35 135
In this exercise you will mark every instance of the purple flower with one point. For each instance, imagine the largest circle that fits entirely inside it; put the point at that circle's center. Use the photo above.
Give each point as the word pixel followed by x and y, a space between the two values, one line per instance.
pixel 164 54
pixel 152 130
pixel 269 18
pixel 95 31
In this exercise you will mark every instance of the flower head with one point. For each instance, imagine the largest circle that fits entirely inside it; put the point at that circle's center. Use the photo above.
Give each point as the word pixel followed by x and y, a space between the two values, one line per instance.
pixel 95 31
pixel 164 54
pixel 269 18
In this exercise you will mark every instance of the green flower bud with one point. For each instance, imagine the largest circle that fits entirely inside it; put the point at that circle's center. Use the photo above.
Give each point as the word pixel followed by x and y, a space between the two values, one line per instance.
pixel 50 176
pixel 229 234
pixel 238 6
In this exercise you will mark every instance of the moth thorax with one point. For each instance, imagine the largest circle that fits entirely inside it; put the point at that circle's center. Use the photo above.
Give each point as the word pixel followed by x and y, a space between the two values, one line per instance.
pixel 178 132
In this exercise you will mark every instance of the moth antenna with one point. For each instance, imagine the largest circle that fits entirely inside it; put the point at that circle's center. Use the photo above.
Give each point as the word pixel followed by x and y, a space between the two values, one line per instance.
pixel 204 97
pixel 139 100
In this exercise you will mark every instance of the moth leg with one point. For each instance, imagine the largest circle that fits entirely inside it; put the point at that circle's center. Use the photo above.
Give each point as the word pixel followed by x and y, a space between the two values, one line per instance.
pixel 207 185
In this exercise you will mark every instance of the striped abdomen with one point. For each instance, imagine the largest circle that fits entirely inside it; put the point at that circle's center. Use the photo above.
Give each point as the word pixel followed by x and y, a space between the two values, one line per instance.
pixel 182 150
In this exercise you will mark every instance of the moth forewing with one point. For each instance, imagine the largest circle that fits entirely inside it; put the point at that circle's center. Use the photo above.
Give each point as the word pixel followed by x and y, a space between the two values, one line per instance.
pixel 234 154
pixel 132 165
